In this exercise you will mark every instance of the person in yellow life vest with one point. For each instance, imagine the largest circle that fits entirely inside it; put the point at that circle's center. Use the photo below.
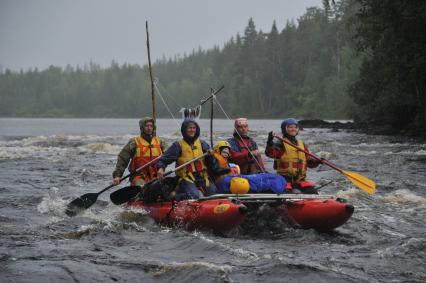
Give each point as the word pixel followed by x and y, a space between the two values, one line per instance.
pixel 194 181
pixel 222 153
pixel 139 151
pixel 289 162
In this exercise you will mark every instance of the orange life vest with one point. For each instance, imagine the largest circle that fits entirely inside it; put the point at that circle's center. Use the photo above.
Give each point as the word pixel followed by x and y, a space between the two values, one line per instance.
pixel 223 163
pixel 293 162
pixel 145 152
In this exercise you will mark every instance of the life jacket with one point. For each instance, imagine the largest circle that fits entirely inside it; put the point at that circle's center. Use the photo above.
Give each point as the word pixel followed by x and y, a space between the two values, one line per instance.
pixel 292 164
pixel 145 152
pixel 242 144
pixel 223 163
pixel 188 153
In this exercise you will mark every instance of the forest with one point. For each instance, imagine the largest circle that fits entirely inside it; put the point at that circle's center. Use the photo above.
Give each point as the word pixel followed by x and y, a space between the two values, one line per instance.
pixel 352 59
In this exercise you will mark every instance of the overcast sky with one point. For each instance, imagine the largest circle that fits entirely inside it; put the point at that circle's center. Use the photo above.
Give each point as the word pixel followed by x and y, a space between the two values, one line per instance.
pixel 39 33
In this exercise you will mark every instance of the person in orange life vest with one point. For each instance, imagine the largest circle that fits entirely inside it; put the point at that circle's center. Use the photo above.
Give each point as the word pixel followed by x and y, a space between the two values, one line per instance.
pixel 140 150
pixel 244 150
pixel 289 162
pixel 222 153
pixel 194 180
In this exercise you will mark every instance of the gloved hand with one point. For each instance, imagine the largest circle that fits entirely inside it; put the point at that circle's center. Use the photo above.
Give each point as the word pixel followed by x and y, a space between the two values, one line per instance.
pixel 270 136
pixel 223 171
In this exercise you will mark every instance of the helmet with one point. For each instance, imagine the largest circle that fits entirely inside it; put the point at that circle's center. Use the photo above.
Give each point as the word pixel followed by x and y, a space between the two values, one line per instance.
pixel 220 145
pixel 239 185
pixel 288 122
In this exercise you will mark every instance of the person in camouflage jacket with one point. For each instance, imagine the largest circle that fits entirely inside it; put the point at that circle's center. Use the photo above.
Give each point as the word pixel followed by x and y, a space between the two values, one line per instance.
pixel 139 151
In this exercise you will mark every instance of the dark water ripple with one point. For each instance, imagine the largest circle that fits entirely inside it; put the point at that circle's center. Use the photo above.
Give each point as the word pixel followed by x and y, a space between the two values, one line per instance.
pixel 42 171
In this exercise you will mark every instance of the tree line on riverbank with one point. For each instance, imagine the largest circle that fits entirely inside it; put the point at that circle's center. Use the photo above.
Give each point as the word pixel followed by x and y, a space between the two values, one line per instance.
pixel 359 59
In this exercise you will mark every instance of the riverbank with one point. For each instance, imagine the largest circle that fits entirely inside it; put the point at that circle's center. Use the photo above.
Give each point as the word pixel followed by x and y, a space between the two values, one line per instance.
pixel 370 129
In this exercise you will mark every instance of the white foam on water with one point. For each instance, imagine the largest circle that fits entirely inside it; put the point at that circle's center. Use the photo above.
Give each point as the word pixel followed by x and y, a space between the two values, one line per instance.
pixel 324 154
pixel 406 248
pixel 60 138
pixel 180 266
pixel 403 196
pixel 100 148
pixel 239 252
pixel 392 233
pixel 420 152
pixel 108 219
pixel 14 152
pixel 350 193
pixel 362 152
pixel 52 204
pixel 381 145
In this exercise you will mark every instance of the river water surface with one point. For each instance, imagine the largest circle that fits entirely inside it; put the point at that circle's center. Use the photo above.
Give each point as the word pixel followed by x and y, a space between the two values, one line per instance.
pixel 46 163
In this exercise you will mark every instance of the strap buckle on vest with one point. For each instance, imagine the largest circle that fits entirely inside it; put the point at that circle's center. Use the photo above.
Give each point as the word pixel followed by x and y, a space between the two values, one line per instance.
pixel 284 165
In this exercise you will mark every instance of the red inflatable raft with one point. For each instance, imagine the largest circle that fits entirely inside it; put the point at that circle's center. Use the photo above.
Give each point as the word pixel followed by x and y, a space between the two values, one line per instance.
pixel 226 211
pixel 216 214
pixel 318 214
pixel 306 211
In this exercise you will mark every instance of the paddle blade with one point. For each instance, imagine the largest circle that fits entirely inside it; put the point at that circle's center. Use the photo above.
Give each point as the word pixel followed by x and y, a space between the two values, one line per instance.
pixel 81 203
pixel 362 182
pixel 125 194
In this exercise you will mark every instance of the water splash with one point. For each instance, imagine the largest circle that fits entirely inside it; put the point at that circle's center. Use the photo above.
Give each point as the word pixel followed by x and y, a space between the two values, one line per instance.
pixel 403 196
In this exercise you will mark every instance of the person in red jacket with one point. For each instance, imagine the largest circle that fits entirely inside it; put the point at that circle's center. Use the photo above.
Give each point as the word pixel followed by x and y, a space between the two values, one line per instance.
pixel 289 162
pixel 244 150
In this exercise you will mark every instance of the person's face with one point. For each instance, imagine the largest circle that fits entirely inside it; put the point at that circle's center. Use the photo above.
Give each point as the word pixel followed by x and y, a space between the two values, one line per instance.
pixel 292 130
pixel 191 130
pixel 225 152
pixel 148 128
pixel 242 129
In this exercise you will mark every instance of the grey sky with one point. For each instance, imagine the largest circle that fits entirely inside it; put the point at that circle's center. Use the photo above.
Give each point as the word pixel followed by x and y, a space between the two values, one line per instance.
pixel 39 33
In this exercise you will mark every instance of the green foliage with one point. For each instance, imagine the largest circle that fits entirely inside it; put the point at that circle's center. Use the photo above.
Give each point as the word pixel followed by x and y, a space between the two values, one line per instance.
pixel 390 90
pixel 312 69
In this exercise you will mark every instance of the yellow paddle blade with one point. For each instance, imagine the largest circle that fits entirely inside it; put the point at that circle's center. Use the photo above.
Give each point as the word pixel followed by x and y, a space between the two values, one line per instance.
pixel 362 182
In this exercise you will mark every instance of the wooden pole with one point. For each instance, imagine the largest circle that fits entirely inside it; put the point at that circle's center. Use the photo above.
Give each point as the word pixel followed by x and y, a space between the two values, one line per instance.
pixel 211 118
pixel 150 74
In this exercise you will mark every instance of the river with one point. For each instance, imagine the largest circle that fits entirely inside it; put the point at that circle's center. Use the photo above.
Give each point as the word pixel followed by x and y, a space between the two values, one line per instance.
pixel 46 163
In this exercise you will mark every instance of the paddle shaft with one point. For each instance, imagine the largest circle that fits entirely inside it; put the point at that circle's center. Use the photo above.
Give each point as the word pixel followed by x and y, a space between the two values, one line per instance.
pixel 130 174
pixel 211 95
pixel 124 195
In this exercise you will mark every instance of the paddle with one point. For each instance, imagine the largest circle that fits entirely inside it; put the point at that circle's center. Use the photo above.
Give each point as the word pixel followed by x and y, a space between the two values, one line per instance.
pixel 362 182
pixel 87 200
pixel 125 194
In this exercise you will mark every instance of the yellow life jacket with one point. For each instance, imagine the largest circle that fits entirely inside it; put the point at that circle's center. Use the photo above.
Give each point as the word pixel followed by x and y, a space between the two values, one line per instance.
pixel 145 152
pixel 188 153
pixel 293 162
